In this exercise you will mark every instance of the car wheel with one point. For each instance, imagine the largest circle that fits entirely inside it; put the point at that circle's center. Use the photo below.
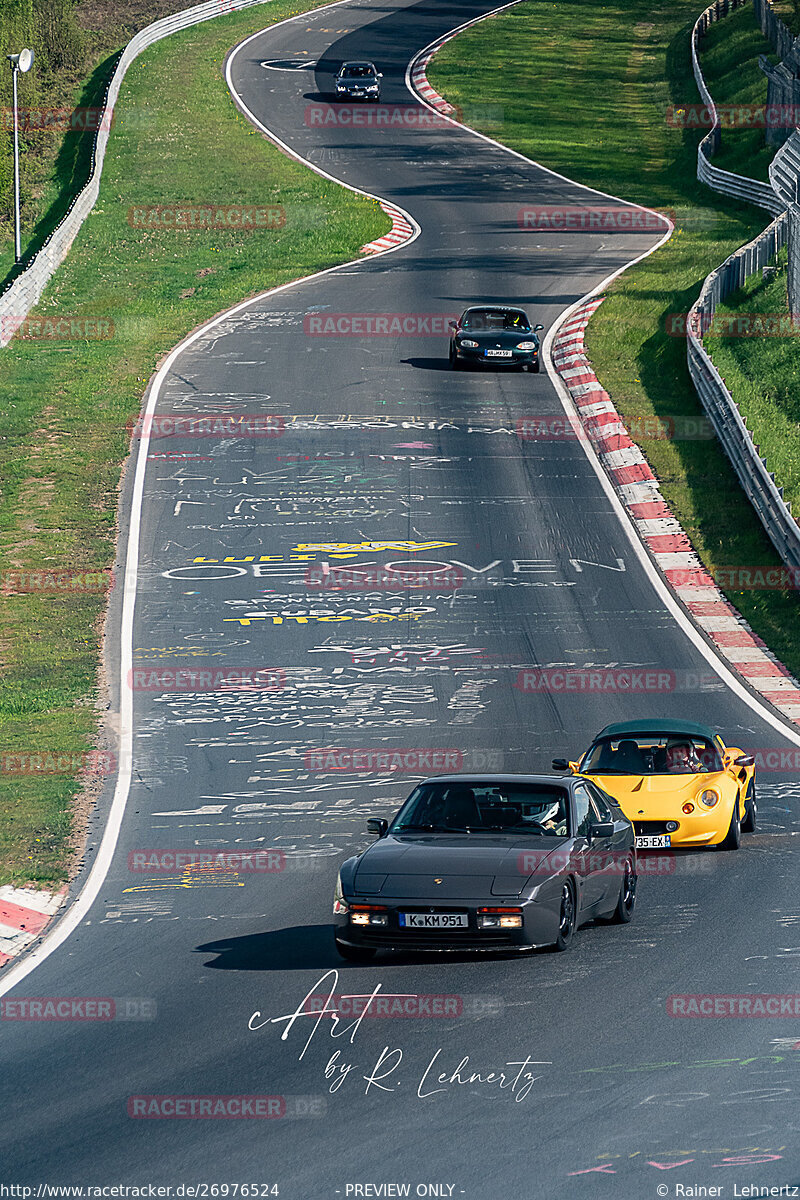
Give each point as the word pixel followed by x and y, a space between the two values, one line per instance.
pixel 750 822
pixel 534 366
pixel 627 897
pixel 355 954
pixel 733 838
pixel 567 918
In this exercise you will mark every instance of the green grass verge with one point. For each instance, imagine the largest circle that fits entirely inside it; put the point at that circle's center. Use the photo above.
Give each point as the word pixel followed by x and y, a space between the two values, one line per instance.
pixel 789 13
pixel 635 55
pixel 64 405
pixel 763 375
pixel 76 43
pixel 730 65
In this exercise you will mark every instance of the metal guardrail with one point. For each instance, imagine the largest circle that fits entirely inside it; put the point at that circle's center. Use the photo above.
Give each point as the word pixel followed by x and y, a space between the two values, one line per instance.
pixel 24 292
pixel 726 182
pixel 757 480
pixel 774 29
pixel 784 173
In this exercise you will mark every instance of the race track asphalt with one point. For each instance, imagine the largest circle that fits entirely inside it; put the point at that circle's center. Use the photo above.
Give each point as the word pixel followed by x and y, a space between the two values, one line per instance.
pixel 380 443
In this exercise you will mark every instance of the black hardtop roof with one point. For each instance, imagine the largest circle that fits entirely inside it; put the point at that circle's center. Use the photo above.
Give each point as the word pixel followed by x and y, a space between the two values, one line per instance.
pixel 561 780
pixel 672 726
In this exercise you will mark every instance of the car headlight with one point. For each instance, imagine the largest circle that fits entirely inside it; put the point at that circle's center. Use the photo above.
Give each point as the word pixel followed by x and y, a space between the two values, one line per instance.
pixel 499 918
pixel 709 797
pixel 369 914
pixel 339 904
pixel 526 345
pixel 468 343
pixel 340 87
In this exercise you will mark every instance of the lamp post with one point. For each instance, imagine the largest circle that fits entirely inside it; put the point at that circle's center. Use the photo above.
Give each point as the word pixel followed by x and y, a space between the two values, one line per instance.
pixel 19 62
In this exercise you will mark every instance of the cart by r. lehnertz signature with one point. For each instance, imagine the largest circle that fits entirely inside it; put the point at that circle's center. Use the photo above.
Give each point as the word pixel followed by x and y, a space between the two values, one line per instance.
pixel 436 1077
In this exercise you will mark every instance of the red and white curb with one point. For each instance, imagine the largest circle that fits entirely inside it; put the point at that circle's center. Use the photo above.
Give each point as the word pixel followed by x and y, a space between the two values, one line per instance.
pixel 401 231
pixel 24 913
pixel 640 492
pixel 420 80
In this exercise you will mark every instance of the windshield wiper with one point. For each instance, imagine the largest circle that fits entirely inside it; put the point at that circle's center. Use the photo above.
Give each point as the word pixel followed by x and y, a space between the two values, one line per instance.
pixel 510 829
pixel 403 828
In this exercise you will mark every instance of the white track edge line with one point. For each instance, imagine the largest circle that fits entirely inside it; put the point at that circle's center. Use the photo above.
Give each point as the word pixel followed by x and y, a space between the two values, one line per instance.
pixel 91 888
pixel 660 585
pixel 75 911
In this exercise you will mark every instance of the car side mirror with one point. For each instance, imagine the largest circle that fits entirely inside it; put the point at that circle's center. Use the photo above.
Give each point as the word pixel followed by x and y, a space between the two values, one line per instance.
pixel 744 760
pixel 560 764
pixel 536 328
pixel 602 829
pixel 453 324
pixel 380 74
pixel 377 825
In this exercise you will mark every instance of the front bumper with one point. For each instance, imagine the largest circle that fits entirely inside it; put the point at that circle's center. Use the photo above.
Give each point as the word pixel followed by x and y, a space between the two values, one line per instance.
pixel 539 925
pixel 694 829
pixel 361 95
pixel 518 357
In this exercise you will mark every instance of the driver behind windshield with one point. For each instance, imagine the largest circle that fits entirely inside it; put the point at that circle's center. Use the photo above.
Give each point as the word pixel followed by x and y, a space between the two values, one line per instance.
pixel 554 819
pixel 486 321
pixel 680 758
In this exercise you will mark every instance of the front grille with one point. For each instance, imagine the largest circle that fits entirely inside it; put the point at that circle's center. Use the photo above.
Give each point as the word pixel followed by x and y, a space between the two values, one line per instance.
pixel 429 939
pixel 649 828
pixel 470 937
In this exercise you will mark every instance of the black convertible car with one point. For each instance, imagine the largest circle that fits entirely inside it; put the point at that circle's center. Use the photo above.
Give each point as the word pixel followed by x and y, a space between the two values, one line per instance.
pixel 494 335
pixel 487 863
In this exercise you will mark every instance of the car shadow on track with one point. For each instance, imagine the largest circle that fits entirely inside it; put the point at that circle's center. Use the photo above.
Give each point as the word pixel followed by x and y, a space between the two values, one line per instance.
pixel 429 364
pixel 306 947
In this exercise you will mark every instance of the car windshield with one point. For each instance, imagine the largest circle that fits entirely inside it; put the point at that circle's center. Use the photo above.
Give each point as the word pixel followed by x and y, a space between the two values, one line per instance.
pixel 489 319
pixel 358 71
pixel 465 807
pixel 651 754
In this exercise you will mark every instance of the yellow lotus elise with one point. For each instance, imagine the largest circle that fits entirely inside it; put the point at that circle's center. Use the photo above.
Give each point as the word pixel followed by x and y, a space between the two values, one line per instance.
pixel 677 782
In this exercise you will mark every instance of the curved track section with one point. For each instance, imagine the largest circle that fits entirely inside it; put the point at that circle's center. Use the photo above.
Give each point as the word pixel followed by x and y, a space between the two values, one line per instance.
pixel 361 449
